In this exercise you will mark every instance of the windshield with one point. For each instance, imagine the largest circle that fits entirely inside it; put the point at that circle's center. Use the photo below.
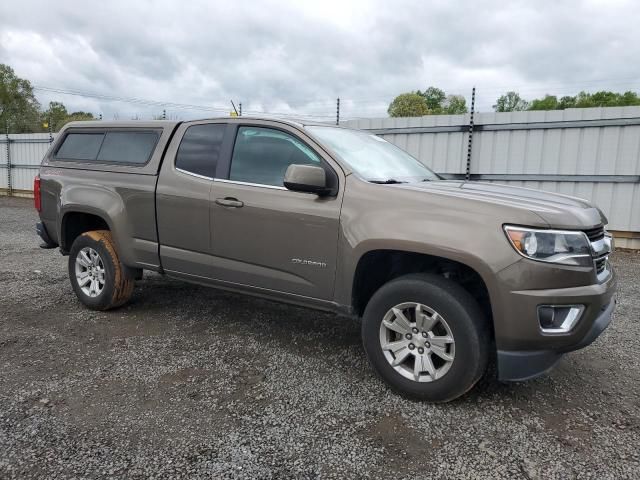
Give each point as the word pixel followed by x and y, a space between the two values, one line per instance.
pixel 372 157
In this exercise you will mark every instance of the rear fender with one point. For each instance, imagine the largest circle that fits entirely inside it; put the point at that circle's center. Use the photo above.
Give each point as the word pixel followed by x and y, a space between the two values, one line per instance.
pixel 105 203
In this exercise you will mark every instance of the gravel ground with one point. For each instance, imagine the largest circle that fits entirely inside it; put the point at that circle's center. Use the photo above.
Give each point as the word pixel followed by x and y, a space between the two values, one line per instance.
pixel 189 381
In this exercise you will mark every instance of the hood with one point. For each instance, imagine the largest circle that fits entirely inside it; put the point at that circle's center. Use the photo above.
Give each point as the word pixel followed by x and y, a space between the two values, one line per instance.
pixel 556 210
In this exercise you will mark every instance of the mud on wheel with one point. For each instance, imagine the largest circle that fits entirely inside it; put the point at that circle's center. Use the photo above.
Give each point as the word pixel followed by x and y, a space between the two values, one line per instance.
pixel 100 281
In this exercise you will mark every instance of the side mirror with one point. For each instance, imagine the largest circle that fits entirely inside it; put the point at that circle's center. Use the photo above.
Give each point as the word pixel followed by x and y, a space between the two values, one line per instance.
pixel 306 178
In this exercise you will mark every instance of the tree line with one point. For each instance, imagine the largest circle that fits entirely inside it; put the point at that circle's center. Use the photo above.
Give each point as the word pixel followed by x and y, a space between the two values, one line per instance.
pixel 20 111
pixel 512 101
pixel 434 101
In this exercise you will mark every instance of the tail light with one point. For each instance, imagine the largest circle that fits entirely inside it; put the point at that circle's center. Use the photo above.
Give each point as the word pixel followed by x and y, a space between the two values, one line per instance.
pixel 36 193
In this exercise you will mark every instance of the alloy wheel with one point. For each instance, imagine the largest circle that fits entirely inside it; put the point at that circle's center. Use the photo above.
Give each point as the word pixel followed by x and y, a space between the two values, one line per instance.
pixel 417 342
pixel 90 273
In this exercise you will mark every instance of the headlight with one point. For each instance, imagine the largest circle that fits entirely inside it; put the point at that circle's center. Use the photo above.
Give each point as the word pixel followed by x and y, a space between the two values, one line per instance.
pixel 553 246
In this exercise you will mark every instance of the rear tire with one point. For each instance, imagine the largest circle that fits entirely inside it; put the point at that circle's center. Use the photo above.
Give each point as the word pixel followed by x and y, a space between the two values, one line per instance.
pixel 100 281
pixel 426 337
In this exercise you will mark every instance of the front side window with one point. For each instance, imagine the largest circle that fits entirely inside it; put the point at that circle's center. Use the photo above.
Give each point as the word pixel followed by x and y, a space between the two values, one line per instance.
pixel 262 155
pixel 199 149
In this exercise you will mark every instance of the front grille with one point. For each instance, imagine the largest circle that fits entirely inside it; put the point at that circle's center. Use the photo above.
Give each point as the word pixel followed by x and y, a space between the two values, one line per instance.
pixel 601 263
pixel 595 234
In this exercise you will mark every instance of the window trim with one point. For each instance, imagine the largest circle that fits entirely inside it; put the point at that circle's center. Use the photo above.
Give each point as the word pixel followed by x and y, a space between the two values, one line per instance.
pixel 227 173
pixel 197 175
pixel 250 184
pixel 200 123
pixel 104 131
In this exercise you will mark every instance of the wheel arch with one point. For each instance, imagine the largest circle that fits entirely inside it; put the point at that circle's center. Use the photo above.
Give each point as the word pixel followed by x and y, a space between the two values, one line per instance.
pixel 74 222
pixel 377 266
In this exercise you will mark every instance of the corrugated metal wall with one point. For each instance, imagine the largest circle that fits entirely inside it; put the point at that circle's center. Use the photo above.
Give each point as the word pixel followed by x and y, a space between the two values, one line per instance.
pixel 590 153
pixel 26 151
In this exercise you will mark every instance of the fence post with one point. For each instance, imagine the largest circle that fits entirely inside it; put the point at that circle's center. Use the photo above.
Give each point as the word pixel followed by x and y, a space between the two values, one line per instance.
pixel 9 184
pixel 467 175
pixel 338 111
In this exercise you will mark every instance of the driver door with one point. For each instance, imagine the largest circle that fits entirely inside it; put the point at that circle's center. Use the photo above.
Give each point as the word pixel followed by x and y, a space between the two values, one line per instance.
pixel 264 235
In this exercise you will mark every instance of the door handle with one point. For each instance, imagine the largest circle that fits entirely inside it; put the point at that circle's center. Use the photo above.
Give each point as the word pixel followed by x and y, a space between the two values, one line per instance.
pixel 229 202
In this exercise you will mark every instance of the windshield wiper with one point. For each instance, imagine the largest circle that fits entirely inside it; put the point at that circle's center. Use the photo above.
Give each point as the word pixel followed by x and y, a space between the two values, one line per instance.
pixel 388 181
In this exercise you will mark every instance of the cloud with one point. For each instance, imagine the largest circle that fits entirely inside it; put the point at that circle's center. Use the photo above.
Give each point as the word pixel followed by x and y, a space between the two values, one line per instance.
pixel 297 57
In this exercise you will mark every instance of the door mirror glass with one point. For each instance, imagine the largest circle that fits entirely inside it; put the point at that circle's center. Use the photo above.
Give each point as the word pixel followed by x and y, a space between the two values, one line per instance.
pixel 306 178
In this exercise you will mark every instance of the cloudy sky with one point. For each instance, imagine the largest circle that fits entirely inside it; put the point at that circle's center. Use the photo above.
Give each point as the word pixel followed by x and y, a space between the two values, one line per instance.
pixel 296 57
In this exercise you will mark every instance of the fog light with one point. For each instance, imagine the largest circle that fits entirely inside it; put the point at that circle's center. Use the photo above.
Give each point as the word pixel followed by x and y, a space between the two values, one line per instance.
pixel 559 318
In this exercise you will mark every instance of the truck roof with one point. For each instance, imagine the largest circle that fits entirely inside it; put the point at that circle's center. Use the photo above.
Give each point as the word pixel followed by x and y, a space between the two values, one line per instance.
pixel 172 123
pixel 124 123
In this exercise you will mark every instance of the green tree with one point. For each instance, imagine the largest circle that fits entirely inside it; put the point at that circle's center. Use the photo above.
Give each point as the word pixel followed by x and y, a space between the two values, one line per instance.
pixel 434 102
pixel 454 105
pixel 58 116
pixel 566 102
pixel 408 105
pixel 435 98
pixel 510 102
pixel 18 105
pixel 80 116
pixel 603 98
pixel 548 102
pixel 629 98
pixel 606 99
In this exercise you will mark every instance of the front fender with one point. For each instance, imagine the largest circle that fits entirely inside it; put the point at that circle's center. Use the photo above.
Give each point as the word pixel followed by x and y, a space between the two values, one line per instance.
pixel 482 266
pixel 381 217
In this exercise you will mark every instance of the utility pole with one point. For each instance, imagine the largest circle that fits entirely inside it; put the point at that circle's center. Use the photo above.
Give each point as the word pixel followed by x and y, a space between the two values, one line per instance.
pixel 467 175
pixel 338 111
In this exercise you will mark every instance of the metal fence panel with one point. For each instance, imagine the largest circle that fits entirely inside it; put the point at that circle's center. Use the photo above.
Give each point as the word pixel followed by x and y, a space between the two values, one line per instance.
pixel 26 151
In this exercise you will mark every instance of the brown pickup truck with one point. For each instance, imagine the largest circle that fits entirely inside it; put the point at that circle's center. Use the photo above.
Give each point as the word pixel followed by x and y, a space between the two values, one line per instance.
pixel 446 275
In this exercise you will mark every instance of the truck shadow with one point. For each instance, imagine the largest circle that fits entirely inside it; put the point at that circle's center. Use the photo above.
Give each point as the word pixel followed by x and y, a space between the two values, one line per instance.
pixel 202 311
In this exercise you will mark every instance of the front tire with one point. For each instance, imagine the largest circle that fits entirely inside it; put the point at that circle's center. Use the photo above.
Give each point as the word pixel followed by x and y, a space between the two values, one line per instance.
pixel 426 337
pixel 100 281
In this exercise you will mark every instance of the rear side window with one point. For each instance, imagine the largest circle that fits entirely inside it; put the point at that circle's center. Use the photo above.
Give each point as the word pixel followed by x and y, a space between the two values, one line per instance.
pixel 199 149
pixel 128 147
pixel 80 146
pixel 108 147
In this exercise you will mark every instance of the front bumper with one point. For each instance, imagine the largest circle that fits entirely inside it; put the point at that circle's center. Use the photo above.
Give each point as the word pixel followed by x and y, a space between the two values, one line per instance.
pixel 514 366
pixel 524 351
